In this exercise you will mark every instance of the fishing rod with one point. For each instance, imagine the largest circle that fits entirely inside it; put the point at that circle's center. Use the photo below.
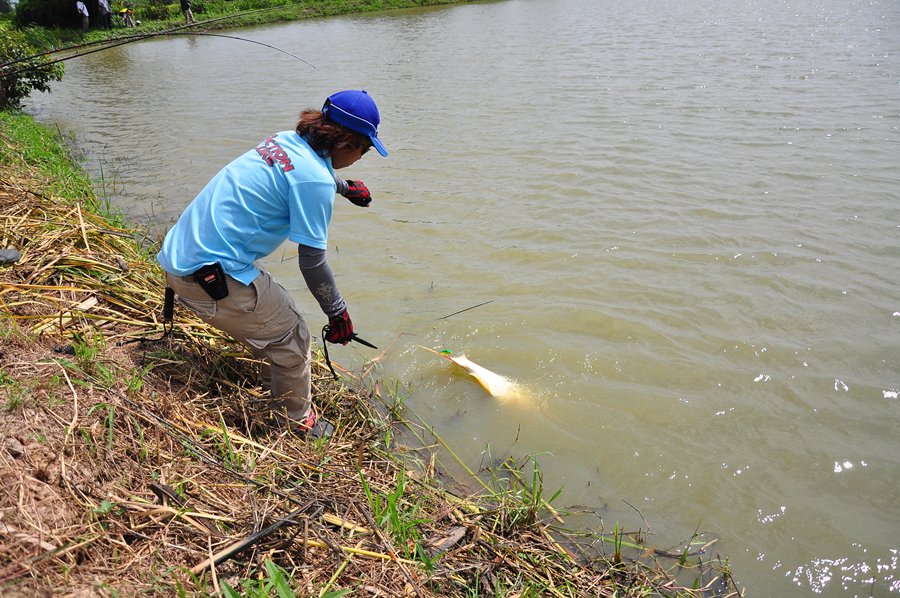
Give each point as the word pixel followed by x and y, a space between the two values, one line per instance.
pixel 139 36
pixel 97 42
pixel 129 39
pixel 126 39
pixel 244 39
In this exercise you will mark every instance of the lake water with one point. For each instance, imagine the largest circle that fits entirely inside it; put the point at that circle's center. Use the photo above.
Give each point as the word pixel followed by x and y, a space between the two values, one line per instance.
pixel 684 217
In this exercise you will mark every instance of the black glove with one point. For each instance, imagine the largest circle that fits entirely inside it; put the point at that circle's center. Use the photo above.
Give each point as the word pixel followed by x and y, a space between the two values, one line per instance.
pixel 339 329
pixel 358 193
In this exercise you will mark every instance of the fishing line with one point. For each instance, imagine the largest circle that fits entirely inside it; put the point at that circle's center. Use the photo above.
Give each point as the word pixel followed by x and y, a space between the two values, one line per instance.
pixel 466 309
pixel 244 39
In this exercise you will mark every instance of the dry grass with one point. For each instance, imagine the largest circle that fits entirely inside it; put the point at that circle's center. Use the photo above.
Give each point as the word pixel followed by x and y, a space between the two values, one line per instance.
pixel 150 466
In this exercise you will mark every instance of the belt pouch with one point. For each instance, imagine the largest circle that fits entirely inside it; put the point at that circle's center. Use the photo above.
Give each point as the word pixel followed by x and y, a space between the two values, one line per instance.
pixel 212 279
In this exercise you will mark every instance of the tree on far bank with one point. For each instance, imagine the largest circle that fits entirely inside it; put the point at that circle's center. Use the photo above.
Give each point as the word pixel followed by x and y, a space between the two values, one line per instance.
pixel 16 86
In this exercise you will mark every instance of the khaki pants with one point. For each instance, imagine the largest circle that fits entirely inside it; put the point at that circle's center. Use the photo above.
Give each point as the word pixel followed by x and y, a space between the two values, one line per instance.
pixel 264 317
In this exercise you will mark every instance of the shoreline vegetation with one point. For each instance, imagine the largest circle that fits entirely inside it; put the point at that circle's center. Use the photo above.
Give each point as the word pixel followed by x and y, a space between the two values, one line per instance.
pixel 157 16
pixel 138 463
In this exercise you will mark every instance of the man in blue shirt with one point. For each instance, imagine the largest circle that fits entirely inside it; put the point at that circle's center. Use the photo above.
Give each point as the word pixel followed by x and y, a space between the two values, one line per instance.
pixel 283 189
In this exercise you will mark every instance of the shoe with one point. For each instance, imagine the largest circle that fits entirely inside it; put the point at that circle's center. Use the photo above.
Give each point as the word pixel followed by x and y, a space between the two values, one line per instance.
pixel 312 425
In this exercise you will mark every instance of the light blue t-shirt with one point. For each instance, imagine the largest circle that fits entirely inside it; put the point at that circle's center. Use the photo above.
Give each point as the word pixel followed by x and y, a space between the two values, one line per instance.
pixel 279 190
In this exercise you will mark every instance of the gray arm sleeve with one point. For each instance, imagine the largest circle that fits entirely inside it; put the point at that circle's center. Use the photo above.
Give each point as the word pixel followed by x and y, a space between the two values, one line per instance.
pixel 320 280
pixel 342 186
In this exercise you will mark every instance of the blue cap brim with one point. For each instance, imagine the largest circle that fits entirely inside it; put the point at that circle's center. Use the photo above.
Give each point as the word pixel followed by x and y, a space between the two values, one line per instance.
pixel 376 143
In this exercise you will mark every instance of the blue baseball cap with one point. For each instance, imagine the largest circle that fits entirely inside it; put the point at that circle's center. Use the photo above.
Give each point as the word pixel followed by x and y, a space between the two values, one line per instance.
pixel 357 111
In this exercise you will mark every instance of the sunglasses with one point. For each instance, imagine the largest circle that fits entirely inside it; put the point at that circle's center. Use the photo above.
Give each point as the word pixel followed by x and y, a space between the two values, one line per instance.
pixel 365 149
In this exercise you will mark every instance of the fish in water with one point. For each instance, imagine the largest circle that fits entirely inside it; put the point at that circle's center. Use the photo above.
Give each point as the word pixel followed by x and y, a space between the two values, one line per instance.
pixel 496 385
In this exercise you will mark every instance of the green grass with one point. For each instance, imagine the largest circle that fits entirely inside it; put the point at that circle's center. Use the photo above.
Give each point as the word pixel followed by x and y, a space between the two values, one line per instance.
pixel 520 494
pixel 43 149
pixel 276 583
pixel 399 518
pixel 134 380
pixel 15 395
pixel 110 422
pixel 88 365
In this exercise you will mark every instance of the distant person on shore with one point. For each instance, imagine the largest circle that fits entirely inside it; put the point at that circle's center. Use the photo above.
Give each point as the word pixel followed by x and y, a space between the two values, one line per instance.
pixel 127 16
pixel 105 14
pixel 186 9
pixel 281 190
pixel 85 18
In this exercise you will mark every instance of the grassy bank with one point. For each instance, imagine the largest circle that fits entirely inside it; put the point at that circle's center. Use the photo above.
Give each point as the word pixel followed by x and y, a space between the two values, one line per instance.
pixel 156 16
pixel 254 12
pixel 137 464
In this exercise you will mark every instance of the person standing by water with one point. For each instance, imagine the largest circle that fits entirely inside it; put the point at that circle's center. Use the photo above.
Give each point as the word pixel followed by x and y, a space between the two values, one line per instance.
pixel 282 189
pixel 83 11
pixel 127 16
pixel 186 9
pixel 105 13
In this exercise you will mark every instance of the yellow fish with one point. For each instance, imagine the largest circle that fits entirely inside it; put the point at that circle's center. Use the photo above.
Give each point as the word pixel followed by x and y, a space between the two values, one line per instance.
pixel 496 385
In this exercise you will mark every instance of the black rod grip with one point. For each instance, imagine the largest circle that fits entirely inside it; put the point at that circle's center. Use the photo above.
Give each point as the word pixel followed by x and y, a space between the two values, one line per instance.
pixel 169 305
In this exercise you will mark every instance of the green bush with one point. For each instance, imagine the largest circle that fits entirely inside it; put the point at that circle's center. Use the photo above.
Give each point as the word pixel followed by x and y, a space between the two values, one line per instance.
pixel 157 10
pixel 19 79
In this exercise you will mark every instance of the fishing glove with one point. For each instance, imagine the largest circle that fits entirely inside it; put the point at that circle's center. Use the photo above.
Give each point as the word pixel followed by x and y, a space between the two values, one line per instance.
pixel 358 193
pixel 340 329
